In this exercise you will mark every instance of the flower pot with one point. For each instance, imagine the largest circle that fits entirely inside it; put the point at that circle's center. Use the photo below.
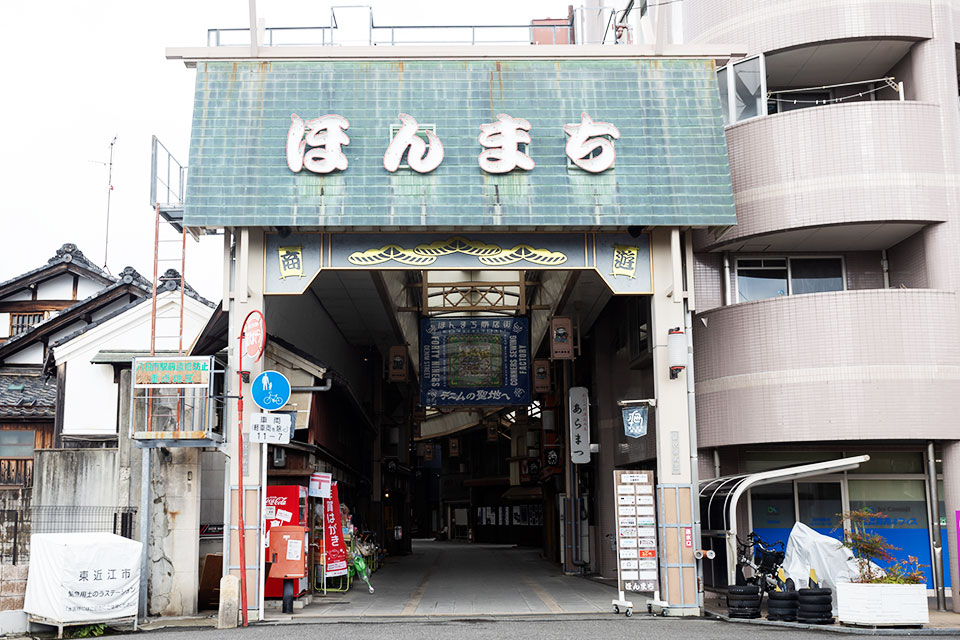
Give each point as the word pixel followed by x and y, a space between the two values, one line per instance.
pixel 882 604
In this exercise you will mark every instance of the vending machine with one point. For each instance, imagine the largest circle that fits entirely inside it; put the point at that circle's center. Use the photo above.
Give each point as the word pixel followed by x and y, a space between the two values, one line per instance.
pixel 285 505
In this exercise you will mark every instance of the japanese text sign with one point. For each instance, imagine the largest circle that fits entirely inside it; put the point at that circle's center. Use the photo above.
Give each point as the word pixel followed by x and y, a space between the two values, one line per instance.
pixel 272 428
pixel 636 531
pixel 336 550
pixel 158 373
pixel 579 411
pixel 474 361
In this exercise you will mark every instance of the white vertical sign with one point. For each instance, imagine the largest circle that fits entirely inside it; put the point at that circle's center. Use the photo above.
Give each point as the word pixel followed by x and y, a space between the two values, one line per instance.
pixel 579 412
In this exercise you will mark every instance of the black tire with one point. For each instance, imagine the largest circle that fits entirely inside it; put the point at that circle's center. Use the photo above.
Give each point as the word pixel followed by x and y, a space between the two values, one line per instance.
pixel 816 599
pixel 782 618
pixel 815 592
pixel 751 603
pixel 782 611
pixel 743 609
pixel 743 590
pixel 746 615
pixel 783 595
pixel 815 620
pixel 814 613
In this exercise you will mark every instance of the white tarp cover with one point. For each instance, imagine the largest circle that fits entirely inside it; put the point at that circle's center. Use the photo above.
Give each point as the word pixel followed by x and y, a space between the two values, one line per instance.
pixel 808 549
pixel 83 577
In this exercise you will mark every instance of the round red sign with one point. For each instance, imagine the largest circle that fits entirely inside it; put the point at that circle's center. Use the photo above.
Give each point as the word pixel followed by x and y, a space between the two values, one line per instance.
pixel 254 335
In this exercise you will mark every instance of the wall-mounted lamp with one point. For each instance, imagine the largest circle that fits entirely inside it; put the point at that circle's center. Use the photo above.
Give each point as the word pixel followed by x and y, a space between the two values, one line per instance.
pixel 676 351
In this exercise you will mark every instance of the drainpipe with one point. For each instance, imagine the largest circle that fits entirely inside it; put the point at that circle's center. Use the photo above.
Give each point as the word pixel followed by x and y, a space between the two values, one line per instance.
pixel 935 528
pixel 325 387
pixel 725 285
pixel 716 463
pixel 885 265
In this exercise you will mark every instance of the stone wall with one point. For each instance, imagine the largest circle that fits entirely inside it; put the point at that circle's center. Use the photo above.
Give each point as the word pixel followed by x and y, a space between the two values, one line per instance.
pixel 13 585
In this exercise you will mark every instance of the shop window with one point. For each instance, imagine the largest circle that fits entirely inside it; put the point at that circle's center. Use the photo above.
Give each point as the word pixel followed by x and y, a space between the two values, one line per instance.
pixel 763 278
pixel 891 462
pixel 772 507
pixel 21 322
pixel 820 505
pixel 17 444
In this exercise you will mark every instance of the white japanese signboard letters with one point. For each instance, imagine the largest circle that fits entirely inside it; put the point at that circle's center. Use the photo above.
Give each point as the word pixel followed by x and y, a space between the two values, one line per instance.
pixel 317 145
pixel 636 531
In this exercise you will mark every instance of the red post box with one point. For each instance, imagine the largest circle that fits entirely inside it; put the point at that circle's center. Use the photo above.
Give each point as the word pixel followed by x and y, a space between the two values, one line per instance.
pixel 288 559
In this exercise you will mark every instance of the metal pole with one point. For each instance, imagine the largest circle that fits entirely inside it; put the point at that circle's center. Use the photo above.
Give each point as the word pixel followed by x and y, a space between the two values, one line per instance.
pixel 935 528
pixel 240 527
pixel 261 567
pixel 145 485
pixel 106 238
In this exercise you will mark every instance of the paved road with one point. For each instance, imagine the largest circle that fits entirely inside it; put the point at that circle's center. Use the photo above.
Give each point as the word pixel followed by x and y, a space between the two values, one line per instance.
pixel 457 579
pixel 608 628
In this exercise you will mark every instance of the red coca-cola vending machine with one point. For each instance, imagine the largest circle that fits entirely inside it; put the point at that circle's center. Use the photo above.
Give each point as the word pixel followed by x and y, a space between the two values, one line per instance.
pixel 285 505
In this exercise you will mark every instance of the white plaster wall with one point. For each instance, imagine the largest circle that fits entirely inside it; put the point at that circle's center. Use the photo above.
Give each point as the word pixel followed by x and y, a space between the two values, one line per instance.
pixel 19 295
pixel 90 394
pixel 31 355
pixel 86 288
pixel 67 330
pixel 4 325
pixel 59 288
pixel 110 308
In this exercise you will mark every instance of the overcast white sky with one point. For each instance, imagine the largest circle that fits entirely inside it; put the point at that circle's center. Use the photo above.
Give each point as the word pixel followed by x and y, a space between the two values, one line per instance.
pixel 79 72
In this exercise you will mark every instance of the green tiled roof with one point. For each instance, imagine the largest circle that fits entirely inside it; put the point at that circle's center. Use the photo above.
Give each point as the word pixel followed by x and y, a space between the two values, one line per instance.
pixel 671 166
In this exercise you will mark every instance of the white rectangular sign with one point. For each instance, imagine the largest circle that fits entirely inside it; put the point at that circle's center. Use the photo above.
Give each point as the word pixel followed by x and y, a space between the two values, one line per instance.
pixel 320 485
pixel 636 532
pixel 579 414
pixel 271 428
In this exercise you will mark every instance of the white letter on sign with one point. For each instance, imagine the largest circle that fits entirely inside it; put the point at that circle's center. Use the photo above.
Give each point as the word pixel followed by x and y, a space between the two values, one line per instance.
pixel 586 138
pixel 422 159
pixel 501 139
pixel 326 137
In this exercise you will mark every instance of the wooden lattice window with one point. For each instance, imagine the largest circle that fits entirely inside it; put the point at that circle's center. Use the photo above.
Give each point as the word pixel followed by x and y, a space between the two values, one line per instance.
pixel 21 322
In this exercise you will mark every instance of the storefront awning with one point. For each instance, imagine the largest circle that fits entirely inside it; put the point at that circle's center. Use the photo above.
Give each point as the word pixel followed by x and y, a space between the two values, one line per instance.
pixel 729 490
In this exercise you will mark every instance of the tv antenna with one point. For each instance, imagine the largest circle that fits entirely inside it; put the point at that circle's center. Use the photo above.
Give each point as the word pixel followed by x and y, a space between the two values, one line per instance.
pixel 106 239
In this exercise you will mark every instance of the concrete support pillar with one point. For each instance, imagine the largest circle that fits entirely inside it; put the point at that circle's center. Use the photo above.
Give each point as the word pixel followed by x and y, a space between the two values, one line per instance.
pixel 247 296
pixel 675 490
pixel 951 498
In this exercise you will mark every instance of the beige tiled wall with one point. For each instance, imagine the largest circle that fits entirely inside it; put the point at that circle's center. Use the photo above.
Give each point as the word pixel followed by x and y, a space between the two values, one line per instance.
pixel 769 25
pixel 870 364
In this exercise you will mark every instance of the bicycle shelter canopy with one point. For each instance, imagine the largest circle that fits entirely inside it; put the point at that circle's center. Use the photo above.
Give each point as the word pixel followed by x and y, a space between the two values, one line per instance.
pixel 720 497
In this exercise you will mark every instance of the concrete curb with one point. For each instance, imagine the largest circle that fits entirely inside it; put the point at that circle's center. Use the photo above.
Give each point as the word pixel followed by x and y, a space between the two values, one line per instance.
pixel 836 628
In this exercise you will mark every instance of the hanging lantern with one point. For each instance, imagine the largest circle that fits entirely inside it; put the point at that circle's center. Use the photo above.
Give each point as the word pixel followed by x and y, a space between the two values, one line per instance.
pixel 676 351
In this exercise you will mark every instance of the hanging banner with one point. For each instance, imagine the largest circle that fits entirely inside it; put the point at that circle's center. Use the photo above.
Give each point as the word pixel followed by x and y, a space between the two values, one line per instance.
pixel 635 421
pixel 320 485
pixel 474 361
pixel 541 376
pixel 336 552
pixel 636 531
pixel 579 405
pixel 398 363
pixel 561 338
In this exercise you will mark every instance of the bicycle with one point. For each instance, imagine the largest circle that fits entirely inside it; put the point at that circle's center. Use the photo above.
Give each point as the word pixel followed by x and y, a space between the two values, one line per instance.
pixel 764 561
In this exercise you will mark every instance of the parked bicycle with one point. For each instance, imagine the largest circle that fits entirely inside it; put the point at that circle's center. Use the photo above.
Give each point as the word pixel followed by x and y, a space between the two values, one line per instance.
pixel 763 560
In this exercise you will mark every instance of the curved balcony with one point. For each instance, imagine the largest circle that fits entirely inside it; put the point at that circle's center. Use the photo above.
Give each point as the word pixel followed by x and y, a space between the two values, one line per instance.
pixel 770 25
pixel 874 364
pixel 801 178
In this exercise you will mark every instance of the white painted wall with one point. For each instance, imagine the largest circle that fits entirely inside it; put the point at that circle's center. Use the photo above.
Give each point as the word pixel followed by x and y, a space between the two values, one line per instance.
pixel 31 355
pixel 19 295
pixel 86 288
pixel 90 395
pixel 59 288
pixel 99 314
pixel 4 325
pixel 63 332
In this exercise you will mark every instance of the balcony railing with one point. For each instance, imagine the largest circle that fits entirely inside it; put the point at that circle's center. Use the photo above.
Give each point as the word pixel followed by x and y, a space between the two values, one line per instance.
pixel 365 32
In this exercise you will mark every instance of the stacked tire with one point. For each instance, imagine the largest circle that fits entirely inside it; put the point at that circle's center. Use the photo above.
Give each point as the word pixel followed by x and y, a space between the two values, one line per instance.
pixel 782 605
pixel 815 606
pixel 743 601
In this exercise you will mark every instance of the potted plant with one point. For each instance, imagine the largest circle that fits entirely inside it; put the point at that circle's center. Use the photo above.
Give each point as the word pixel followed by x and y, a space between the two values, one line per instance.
pixel 874 596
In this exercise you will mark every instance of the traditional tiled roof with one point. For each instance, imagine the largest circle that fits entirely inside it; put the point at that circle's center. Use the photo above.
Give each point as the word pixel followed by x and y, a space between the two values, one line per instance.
pixel 66 254
pixel 26 394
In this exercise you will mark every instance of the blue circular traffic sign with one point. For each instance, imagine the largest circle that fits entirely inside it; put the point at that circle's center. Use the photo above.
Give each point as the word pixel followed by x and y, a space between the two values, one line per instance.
pixel 270 390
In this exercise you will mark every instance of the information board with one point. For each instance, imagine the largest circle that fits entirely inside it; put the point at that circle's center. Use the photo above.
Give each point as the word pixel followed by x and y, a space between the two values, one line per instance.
pixel 271 428
pixel 474 361
pixel 636 531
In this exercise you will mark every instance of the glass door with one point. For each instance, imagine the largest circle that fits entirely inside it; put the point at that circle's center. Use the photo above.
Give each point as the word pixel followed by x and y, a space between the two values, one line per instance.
pixel 819 505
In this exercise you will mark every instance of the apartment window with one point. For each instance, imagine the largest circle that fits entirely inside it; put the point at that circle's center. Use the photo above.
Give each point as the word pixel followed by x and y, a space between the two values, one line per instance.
pixel 743 89
pixel 762 278
pixel 21 322
pixel 16 444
